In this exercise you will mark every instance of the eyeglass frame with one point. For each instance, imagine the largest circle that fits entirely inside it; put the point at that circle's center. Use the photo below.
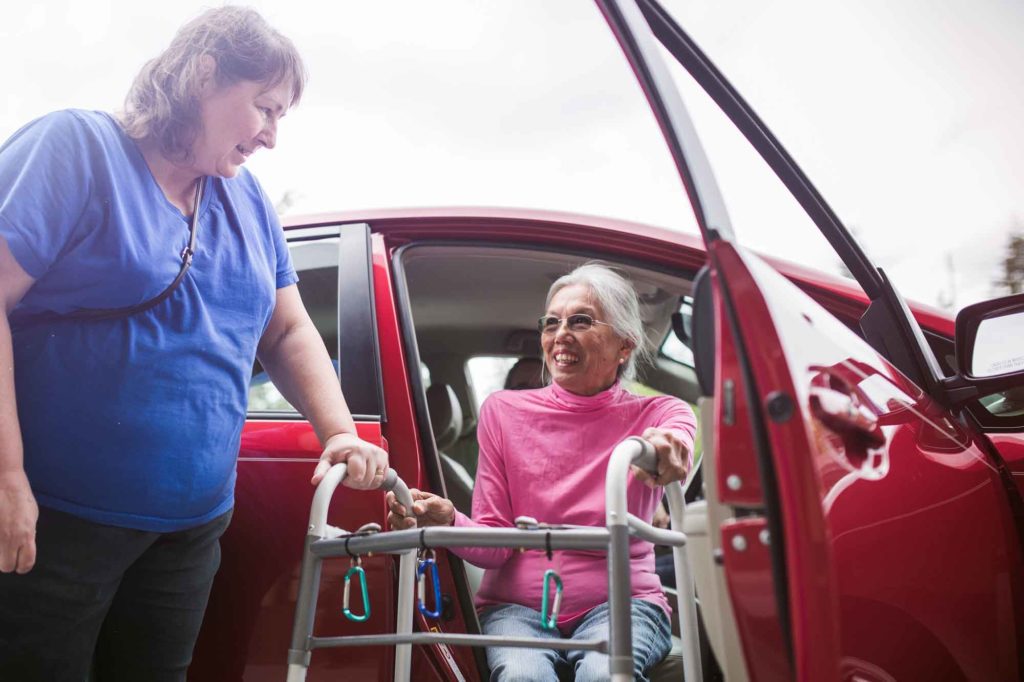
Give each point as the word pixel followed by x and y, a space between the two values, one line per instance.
pixel 545 328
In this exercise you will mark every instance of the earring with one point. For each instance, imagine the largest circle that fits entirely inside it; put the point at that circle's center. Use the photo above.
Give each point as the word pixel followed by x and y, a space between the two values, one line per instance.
pixel 622 361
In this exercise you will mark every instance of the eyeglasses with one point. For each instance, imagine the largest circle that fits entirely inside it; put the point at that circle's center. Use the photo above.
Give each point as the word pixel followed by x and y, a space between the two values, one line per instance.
pixel 578 322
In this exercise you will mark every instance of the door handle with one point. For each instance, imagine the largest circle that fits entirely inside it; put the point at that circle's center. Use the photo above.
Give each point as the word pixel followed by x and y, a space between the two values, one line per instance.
pixel 840 413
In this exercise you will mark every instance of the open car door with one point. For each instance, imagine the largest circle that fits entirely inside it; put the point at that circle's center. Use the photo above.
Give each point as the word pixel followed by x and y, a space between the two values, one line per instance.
pixel 874 537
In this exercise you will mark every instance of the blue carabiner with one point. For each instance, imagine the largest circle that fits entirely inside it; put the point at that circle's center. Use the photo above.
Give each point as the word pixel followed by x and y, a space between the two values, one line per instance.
pixel 428 564
pixel 356 569
pixel 549 619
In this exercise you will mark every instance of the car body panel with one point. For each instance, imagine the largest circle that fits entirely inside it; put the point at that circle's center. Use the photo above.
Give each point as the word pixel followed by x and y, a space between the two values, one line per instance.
pixel 865 524
pixel 247 626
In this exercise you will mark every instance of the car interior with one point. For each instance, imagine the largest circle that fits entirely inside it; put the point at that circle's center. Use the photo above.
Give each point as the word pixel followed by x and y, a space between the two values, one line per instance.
pixel 473 310
pixel 470 313
pixel 483 302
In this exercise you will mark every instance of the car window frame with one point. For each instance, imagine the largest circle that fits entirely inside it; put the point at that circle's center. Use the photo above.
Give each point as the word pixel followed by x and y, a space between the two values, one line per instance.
pixel 358 347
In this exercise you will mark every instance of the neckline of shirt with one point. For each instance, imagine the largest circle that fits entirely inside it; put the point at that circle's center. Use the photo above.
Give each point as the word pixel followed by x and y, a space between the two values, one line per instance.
pixel 139 161
pixel 585 403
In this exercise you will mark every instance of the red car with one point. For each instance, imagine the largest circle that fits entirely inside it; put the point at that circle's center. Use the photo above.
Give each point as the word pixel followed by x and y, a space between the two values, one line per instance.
pixel 862 514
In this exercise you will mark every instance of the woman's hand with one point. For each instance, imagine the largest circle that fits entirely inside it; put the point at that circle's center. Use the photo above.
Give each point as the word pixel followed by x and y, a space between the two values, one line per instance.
pixel 427 508
pixel 673 458
pixel 367 463
pixel 18 515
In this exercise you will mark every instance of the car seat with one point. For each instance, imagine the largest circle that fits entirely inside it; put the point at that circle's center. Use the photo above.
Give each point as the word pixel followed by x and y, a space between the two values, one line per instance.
pixel 446 425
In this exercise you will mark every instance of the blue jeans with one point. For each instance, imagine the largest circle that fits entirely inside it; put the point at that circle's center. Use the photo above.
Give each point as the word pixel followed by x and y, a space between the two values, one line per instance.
pixel 652 639
pixel 127 603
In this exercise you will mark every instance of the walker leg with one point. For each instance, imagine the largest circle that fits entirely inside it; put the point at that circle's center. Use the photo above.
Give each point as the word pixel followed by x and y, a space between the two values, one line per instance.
pixel 620 607
pixel 403 625
pixel 305 612
pixel 687 606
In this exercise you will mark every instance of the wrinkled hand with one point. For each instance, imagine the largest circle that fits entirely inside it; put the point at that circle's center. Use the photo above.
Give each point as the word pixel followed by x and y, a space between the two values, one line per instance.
pixel 428 509
pixel 673 458
pixel 18 515
pixel 367 463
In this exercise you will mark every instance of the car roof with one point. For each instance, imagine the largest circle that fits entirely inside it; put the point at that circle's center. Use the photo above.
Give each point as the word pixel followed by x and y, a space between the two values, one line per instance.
pixel 622 238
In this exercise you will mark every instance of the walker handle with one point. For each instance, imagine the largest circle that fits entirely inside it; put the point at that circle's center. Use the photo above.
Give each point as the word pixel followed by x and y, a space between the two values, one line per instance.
pixel 647 458
pixel 394 483
pixel 325 491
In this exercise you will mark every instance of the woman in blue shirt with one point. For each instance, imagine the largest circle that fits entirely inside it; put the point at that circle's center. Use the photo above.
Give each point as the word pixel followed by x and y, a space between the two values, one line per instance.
pixel 122 399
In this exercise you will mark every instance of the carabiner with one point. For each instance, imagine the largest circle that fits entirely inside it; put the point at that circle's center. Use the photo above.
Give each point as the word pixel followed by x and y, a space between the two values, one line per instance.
pixel 549 620
pixel 356 569
pixel 428 563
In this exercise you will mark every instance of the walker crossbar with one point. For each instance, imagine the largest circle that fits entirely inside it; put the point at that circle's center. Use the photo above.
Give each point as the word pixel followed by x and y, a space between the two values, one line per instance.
pixel 463 640
pixel 438 537
pixel 323 542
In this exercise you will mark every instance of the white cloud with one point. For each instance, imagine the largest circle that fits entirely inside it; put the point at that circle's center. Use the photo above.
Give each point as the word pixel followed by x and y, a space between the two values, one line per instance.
pixel 906 115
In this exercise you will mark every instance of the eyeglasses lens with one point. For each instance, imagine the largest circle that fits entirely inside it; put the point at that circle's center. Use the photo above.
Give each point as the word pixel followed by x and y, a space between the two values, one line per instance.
pixel 576 323
pixel 580 322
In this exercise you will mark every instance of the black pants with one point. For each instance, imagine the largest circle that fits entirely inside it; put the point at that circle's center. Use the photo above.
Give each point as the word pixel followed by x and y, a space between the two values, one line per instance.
pixel 128 602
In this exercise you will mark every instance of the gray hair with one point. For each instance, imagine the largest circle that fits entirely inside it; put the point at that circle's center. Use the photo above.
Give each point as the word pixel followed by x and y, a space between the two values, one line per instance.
pixel 620 304
pixel 163 102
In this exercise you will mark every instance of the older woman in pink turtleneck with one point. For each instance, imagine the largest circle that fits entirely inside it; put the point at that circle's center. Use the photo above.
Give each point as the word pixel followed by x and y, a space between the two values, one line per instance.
pixel 543 453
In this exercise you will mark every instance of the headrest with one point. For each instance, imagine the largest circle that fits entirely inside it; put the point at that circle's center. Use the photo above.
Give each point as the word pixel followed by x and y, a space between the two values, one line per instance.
pixel 445 415
pixel 704 331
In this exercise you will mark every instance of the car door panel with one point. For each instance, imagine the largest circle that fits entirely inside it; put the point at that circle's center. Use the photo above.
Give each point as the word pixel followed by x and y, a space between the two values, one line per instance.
pixel 253 599
pixel 1011 448
pixel 864 525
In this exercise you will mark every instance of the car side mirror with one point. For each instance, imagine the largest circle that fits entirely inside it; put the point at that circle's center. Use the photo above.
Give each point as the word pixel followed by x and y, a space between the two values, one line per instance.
pixel 989 349
pixel 990 338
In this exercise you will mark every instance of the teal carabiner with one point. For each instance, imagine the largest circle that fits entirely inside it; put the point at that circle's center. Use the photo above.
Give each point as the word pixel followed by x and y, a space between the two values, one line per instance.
pixel 356 569
pixel 549 618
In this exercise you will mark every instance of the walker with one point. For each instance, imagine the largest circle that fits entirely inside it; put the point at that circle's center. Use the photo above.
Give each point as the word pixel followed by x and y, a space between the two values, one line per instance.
pixel 327 542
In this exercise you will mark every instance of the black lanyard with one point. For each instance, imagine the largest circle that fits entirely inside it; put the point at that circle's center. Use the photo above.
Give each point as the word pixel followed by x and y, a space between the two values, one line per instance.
pixel 114 313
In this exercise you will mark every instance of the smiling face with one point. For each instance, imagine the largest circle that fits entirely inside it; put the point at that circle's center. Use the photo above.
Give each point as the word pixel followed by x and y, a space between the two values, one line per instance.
pixel 584 362
pixel 236 120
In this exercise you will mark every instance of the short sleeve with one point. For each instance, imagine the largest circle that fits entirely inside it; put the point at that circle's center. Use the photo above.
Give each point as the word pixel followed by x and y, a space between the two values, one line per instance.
pixel 285 269
pixel 45 184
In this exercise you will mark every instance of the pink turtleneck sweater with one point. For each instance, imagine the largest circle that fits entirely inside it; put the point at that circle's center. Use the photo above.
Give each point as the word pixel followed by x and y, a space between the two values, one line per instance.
pixel 544 453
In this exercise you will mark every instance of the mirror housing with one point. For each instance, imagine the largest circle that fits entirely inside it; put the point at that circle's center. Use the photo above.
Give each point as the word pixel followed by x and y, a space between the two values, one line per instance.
pixel 989 349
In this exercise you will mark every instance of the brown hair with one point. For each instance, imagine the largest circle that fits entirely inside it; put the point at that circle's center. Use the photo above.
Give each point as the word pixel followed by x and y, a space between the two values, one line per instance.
pixel 163 102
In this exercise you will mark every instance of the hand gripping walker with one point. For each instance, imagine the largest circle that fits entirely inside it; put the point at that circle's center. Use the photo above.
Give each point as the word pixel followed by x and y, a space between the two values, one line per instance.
pixel 324 542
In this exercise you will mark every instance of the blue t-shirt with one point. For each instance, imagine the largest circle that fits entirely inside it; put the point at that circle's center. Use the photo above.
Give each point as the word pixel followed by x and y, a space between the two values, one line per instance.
pixel 132 422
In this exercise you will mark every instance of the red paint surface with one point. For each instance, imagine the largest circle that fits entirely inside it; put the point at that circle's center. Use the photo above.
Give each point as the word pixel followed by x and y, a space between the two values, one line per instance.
pixel 900 560
pixel 738 458
pixel 248 623
pixel 749 577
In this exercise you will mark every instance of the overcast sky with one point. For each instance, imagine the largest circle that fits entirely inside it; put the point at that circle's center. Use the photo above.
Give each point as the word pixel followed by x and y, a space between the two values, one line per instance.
pixel 906 115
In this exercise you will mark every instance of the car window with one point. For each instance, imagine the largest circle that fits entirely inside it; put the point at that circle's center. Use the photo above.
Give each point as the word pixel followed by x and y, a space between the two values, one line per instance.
pixel 1006 404
pixel 317 266
pixel 765 216
pixel 487 374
